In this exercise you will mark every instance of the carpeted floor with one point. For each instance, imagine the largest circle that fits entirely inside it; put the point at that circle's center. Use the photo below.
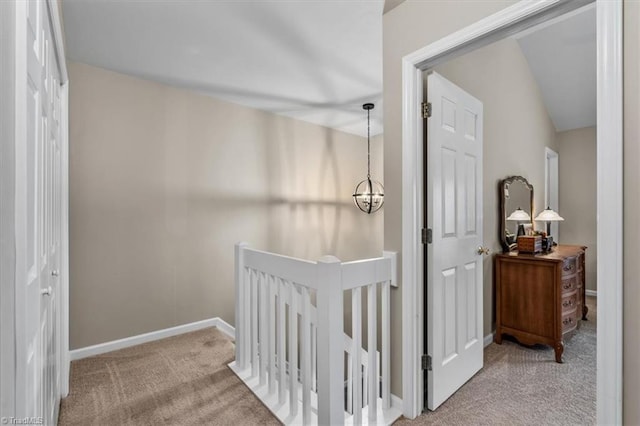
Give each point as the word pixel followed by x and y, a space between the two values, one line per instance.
pixel 184 380
pixel 525 386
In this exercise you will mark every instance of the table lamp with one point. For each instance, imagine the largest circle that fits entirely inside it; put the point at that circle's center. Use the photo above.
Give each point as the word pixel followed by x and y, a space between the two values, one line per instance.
pixel 518 216
pixel 549 216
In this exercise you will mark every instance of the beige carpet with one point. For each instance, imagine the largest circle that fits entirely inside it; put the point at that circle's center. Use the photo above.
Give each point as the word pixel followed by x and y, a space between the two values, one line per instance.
pixel 182 380
pixel 525 386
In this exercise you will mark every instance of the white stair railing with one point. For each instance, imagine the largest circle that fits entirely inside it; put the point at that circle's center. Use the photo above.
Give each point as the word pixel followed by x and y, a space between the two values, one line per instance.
pixel 290 342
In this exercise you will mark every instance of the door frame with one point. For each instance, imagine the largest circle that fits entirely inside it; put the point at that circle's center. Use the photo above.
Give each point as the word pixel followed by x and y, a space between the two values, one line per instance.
pixel 506 22
pixel 7 208
pixel 550 156
pixel 63 296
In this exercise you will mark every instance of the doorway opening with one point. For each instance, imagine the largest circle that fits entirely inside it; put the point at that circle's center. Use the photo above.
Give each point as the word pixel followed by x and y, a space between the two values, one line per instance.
pixel 609 177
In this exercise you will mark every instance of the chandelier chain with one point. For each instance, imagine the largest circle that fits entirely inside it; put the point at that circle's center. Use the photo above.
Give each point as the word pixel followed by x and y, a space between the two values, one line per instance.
pixel 368 144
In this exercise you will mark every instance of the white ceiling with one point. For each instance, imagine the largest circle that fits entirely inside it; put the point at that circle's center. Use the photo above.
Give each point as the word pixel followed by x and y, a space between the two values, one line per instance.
pixel 562 57
pixel 313 60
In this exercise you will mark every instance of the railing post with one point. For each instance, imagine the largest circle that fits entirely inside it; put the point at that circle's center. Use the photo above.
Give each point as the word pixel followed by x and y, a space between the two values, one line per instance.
pixel 305 356
pixel 372 348
pixel 393 257
pixel 241 315
pixel 385 347
pixel 330 342
pixel 293 350
pixel 281 340
pixel 356 354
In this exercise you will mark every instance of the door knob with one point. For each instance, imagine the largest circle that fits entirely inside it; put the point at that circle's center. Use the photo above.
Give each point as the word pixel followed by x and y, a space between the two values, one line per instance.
pixel 484 250
pixel 55 273
pixel 46 291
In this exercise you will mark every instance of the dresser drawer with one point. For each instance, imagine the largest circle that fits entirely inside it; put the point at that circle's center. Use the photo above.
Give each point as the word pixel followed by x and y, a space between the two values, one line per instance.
pixel 569 284
pixel 570 302
pixel 569 266
pixel 569 321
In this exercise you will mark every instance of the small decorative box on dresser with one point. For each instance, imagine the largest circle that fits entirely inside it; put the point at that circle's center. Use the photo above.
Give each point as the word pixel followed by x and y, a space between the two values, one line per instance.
pixel 541 297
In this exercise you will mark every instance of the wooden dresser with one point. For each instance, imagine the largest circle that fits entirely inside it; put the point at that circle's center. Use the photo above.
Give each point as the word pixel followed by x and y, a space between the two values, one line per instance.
pixel 540 298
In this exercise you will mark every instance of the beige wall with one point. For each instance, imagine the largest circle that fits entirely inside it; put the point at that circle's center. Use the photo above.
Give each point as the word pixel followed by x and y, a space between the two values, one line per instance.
pixel 577 194
pixel 631 321
pixel 164 182
pixel 517 128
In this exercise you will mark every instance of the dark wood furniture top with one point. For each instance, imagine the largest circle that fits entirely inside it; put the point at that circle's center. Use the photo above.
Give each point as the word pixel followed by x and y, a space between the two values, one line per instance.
pixel 540 298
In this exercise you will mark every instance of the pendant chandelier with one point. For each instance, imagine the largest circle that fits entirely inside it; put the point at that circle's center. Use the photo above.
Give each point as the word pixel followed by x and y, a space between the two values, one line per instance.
pixel 369 194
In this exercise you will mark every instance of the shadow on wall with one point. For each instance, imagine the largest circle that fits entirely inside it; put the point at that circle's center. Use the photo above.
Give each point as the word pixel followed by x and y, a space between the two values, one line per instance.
pixel 311 212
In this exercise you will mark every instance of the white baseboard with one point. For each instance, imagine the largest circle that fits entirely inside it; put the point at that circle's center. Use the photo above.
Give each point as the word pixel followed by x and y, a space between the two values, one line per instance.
pixel 226 328
pixel 488 338
pixel 150 337
pixel 593 293
pixel 397 402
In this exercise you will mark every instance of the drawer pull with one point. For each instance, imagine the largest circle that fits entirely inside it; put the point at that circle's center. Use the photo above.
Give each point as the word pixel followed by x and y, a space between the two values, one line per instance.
pixel 567 321
pixel 567 268
pixel 567 303
pixel 567 286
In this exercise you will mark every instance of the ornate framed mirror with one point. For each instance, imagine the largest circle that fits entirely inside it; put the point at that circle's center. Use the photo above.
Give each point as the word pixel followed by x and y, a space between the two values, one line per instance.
pixel 516 209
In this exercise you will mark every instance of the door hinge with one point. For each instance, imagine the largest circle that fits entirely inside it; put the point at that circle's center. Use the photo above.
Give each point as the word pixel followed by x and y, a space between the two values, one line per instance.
pixel 426 109
pixel 426 236
pixel 426 362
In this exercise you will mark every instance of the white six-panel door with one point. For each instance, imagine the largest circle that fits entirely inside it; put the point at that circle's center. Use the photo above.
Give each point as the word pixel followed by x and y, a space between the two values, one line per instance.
pixel 454 214
pixel 40 168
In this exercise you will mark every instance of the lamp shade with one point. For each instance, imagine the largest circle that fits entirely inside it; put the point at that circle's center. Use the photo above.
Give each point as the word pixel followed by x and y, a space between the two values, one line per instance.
pixel 548 215
pixel 519 215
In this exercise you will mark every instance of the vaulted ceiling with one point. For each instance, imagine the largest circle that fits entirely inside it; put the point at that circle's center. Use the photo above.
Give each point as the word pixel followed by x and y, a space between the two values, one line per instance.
pixel 562 57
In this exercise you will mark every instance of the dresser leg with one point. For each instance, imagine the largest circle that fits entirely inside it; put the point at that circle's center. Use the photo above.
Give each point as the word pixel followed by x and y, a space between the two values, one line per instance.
pixel 585 310
pixel 498 338
pixel 559 349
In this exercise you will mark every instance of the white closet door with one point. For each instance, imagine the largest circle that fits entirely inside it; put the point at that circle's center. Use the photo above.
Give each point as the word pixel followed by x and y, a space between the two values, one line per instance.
pixel 40 167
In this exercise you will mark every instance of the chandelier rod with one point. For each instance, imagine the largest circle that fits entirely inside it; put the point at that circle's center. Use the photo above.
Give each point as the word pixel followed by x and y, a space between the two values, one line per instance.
pixel 368 144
